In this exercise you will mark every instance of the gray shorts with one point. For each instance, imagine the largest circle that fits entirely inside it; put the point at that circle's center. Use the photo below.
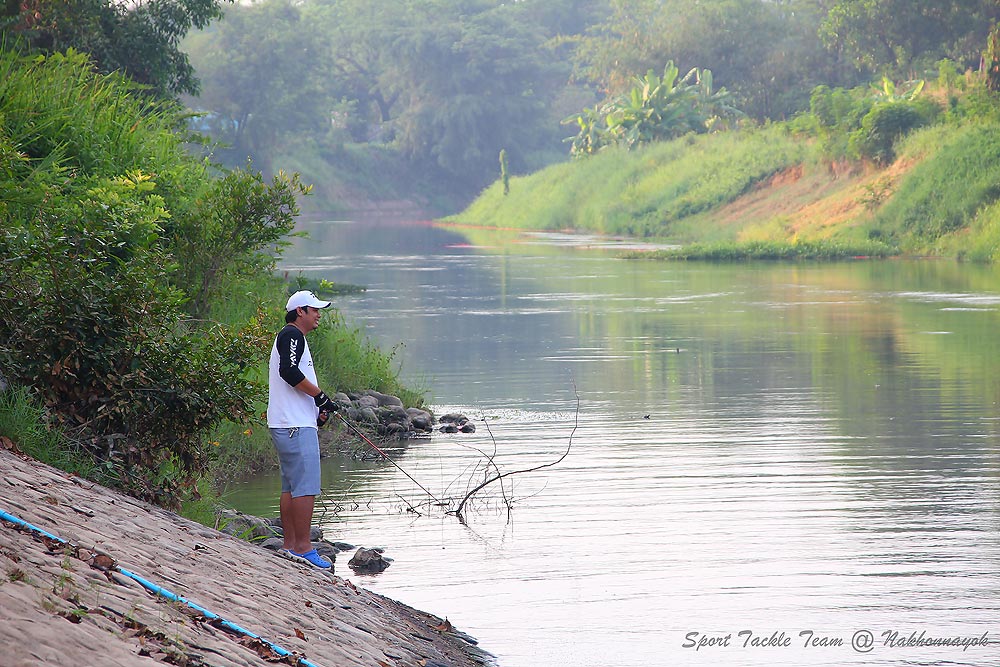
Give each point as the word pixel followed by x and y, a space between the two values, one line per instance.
pixel 298 454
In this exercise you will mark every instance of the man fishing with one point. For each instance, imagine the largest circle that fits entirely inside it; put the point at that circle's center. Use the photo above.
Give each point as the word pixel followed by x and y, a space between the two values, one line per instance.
pixel 296 407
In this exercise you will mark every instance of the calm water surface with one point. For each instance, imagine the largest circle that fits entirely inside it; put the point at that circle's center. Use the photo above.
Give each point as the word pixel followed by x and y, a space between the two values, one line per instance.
pixel 758 448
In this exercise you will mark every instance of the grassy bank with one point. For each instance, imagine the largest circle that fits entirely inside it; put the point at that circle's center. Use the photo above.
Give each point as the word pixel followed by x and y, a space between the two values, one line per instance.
pixel 771 194
pixel 645 192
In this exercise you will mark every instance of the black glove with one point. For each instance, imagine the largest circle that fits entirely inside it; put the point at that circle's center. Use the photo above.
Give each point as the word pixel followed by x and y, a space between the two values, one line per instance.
pixel 324 403
pixel 324 417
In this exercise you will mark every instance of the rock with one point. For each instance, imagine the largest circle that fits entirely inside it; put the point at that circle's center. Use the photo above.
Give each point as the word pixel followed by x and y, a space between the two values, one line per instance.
pixel 343 546
pixel 272 543
pixel 392 429
pixel 245 526
pixel 368 415
pixel 366 402
pixel 448 428
pixel 468 427
pixel 421 420
pixel 384 399
pixel 315 532
pixel 326 550
pixel 456 418
pixel 368 561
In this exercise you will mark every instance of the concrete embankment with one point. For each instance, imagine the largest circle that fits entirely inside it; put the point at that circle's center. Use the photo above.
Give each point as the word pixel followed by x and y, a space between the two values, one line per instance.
pixel 83 599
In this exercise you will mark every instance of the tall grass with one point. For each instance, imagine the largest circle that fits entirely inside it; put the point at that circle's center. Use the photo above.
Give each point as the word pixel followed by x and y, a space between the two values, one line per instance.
pixel 946 191
pixel 771 250
pixel 638 193
pixel 24 421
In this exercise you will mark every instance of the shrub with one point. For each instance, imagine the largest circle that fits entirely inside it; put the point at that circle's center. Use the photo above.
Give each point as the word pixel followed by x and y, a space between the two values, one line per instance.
pixel 98 197
pixel 881 127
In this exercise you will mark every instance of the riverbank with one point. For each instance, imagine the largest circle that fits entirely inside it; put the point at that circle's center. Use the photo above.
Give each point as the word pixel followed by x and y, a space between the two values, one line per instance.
pixel 74 606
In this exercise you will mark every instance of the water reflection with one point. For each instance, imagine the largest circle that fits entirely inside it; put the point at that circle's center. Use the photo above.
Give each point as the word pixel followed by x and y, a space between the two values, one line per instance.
pixel 821 448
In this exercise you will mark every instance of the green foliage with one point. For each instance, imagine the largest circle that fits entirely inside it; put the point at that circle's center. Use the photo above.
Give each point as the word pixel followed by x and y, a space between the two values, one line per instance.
pixel 865 124
pixel 237 227
pixel 93 182
pixel 654 109
pixel 138 39
pixel 766 53
pixel 446 83
pixel 23 419
pixel 263 73
pixel 946 191
pixel 89 320
pixel 881 128
pixel 903 36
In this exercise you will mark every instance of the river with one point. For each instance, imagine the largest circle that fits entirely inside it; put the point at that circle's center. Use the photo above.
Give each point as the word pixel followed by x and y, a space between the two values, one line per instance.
pixel 768 464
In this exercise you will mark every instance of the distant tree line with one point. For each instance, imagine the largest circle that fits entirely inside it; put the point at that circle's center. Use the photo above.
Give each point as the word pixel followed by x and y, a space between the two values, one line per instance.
pixel 450 83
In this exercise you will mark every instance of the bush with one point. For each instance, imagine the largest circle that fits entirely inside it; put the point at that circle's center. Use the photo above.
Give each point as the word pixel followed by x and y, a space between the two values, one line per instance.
pixel 89 320
pixel 882 127
pixel 99 198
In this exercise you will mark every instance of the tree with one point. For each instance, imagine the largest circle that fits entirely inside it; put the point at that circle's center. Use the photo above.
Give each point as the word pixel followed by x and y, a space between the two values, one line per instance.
pixel 902 35
pixel 766 53
pixel 655 109
pixel 139 38
pixel 262 68
pixel 470 74
pixel 95 189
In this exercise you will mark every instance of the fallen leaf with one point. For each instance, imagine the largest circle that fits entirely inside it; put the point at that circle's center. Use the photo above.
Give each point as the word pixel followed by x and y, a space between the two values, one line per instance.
pixel 301 635
pixel 8 444
pixel 103 562
pixel 309 604
pixel 444 627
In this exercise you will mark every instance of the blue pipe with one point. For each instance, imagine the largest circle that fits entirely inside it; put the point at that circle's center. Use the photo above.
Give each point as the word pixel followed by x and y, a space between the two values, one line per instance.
pixel 159 590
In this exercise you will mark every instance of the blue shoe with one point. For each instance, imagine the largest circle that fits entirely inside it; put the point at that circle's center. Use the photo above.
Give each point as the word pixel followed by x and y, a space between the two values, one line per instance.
pixel 314 558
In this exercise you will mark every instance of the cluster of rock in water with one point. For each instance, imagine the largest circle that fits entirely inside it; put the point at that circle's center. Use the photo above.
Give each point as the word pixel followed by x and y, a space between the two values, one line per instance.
pixel 388 417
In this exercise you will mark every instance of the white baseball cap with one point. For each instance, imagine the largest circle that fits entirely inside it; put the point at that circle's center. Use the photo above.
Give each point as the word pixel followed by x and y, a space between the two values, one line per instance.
pixel 304 298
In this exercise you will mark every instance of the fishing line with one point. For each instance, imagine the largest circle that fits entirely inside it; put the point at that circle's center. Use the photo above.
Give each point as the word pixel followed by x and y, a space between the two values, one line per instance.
pixel 386 457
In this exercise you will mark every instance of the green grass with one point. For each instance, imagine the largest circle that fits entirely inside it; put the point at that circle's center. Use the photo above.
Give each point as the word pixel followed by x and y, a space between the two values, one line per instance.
pixel 946 192
pixel 642 192
pixel 25 422
pixel 771 250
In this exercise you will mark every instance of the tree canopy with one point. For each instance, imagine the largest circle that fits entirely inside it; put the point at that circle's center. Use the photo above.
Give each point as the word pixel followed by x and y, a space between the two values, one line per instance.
pixel 139 38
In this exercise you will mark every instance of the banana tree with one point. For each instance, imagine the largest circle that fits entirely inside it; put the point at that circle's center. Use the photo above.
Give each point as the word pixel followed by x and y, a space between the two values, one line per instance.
pixel 656 108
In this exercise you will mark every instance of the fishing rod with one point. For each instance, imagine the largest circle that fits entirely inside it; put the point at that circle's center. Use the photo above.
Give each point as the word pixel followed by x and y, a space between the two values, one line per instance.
pixel 386 457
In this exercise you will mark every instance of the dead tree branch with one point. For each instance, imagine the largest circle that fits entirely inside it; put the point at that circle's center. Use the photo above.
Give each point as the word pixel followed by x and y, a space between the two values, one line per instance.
pixel 501 476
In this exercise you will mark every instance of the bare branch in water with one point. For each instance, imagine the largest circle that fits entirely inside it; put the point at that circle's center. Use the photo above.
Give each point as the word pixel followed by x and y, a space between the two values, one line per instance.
pixel 499 476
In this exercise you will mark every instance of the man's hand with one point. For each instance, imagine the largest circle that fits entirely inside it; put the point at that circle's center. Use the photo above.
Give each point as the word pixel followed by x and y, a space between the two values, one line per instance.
pixel 324 403
pixel 324 417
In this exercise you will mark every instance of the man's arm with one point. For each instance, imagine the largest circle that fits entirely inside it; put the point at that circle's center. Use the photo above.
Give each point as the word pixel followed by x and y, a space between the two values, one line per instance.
pixel 291 342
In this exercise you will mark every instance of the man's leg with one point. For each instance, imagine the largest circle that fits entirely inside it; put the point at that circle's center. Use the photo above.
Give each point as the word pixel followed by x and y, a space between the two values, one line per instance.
pixel 287 524
pixel 300 511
